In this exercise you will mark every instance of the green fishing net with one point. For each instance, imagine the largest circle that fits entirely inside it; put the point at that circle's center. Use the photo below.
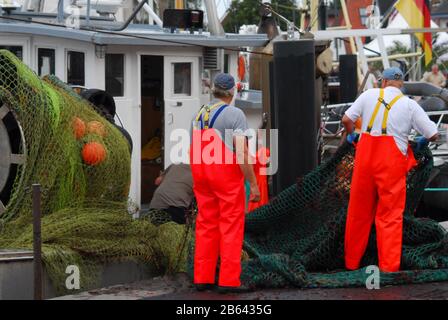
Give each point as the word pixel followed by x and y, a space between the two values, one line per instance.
pixel 298 238
pixel 84 204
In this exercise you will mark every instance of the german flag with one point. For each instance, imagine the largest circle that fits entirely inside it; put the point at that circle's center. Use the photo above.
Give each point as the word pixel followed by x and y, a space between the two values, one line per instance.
pixel 417 15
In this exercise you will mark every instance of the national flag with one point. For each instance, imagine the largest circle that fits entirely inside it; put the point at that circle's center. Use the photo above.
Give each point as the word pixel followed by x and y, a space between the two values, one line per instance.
pixel 417 15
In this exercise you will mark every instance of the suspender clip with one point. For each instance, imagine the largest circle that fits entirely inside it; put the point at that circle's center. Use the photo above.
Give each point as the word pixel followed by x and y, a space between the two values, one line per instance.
pixel 385 104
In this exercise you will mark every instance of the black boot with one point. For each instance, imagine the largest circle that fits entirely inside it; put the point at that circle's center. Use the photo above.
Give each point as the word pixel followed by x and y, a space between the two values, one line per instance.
pixel 240 289
pixel 204 286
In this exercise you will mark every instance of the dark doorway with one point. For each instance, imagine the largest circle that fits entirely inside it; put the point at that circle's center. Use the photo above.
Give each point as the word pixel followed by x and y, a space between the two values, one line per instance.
pixel 152 124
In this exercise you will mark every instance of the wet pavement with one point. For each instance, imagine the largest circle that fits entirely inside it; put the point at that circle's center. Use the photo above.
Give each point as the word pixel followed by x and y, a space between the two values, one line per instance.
pixel 179 288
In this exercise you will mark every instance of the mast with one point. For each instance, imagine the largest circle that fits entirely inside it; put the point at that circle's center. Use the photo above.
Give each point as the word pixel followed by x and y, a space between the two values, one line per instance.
pixel 314 15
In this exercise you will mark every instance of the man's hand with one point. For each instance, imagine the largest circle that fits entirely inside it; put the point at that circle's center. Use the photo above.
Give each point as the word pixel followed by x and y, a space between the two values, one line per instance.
pixel 159 179
pixel 246 167
pixel 352 137
pixel 421 143
pixel 254 193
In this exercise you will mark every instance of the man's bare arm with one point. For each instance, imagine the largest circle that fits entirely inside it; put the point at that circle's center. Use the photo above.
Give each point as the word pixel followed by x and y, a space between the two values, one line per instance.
pixel 348 124
pixel 434 137
pixel 242 156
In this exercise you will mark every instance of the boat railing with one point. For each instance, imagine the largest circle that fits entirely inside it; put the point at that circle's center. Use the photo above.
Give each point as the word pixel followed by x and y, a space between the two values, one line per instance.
pixel 332 130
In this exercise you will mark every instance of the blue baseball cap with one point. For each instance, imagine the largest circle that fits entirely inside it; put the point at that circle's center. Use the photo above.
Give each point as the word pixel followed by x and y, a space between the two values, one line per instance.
pixel 393 73
pixel 224 81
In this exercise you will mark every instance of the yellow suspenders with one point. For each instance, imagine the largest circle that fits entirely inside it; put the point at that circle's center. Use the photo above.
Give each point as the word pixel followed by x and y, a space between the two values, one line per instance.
pixel 387 106
pixel 205 110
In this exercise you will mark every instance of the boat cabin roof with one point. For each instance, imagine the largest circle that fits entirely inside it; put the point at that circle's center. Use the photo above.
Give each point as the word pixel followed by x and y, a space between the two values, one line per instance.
pixel 136 35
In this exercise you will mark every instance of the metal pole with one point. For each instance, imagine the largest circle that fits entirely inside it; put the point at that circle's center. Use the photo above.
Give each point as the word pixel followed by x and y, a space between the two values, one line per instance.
pixel 214 24
pixel 152 14
pixel 37 242
pixel 322 14
pixel 413 74
pixel 88 13
pixel 383 51
pixel 60 11
pixel 314 15
pixel 348 24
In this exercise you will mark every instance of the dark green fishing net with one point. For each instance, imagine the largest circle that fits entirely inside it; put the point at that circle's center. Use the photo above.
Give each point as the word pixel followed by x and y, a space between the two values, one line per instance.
pixel 298 238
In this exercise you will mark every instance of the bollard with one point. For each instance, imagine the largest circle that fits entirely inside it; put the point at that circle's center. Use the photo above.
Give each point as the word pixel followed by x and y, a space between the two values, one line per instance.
pixel 37 242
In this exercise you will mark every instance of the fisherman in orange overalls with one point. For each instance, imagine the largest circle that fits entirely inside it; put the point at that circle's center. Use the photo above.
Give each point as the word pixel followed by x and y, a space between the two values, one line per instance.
pixel 260 170
pixel 382 160
pixel 219 165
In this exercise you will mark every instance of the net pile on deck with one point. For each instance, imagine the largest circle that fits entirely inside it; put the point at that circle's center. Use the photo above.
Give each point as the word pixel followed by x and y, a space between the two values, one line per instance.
pixel 85 195
pixel 298 238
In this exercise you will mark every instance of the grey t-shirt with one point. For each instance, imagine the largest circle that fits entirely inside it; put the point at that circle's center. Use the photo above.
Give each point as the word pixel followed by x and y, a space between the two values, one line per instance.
pixel 229 123
pixel 176 189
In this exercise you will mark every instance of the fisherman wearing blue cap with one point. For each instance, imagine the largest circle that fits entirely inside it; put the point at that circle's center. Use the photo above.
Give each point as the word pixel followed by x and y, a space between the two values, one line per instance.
pixel 382 160
pixel 219 139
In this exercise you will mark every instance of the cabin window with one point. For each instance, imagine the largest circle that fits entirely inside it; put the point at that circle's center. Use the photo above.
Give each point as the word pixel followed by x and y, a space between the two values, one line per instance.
pixel 46 60
pixel 17 50
pixel 76 68
pixel 182 78
pixel 226 63
pixel 115 74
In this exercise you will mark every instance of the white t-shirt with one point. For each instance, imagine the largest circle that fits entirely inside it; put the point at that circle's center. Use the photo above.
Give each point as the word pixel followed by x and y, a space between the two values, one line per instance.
pixel 404 116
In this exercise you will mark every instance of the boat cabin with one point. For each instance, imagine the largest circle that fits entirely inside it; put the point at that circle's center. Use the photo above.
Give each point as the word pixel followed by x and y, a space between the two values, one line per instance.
pixel 158 78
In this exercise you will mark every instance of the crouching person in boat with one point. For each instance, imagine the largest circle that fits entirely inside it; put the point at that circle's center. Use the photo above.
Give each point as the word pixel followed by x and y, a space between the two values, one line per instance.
pixel 173 196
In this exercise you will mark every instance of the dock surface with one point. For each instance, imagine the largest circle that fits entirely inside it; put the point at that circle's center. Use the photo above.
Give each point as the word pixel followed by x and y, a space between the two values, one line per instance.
pixel 179 288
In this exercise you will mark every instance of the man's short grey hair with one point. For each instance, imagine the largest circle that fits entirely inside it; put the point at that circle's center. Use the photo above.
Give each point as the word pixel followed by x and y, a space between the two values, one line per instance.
pixel 221 93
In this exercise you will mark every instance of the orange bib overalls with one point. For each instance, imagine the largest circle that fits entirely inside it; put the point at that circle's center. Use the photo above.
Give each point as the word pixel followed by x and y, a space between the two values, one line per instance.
pixel 377 194
pixel 219 190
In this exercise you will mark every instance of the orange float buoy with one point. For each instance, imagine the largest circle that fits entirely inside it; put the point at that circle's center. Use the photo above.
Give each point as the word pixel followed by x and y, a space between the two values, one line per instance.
pixel 93 153
pixel 96 127
pixel 79 128
pixel 241 67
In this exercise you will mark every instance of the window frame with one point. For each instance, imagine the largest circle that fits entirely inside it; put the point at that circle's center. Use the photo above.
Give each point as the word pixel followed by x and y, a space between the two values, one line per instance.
pixel 23 42
pixel 124 73
pixel 15 45
pixel 67 50
pixel 226 58
pixel 37 58
pixel 173 88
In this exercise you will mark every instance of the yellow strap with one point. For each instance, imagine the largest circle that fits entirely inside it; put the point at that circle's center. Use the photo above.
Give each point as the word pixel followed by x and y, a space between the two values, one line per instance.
pixel 206 111
pixel 386 113
pixel 375 111
pixel 387 107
